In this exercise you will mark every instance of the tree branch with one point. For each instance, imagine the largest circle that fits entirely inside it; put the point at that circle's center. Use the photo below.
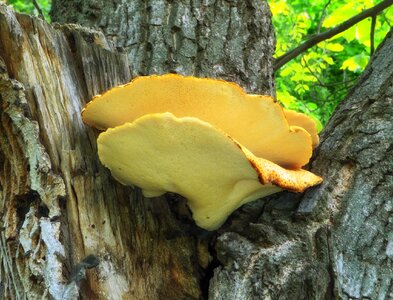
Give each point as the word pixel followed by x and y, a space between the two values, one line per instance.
pixel 39 10
pixel 374 11
pixel 312 73
pixel 323 15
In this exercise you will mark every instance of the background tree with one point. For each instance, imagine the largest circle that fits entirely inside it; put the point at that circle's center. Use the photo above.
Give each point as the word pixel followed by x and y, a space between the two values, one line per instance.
pixel 39 8
pixel 319 78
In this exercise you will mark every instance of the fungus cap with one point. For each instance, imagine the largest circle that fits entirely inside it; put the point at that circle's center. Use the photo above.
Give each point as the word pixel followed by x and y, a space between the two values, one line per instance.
pixel 255 121
pixel 301 120
pixel 162 153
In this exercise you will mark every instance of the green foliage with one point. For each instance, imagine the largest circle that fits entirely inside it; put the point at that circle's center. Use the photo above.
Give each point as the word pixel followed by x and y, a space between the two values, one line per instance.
pixel 315 82
pixel 27 7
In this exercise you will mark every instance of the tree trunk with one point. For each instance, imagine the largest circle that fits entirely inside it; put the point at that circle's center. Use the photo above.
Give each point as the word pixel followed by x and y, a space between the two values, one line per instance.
pixel 336 240
pixel 338 243
pixel 231 40
pixel 63 214
pixel 69 229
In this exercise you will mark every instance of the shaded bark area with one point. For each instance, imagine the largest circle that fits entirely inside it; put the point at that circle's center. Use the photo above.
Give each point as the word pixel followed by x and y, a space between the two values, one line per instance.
pixel 62 210
pixel 231 40
pixel 337 243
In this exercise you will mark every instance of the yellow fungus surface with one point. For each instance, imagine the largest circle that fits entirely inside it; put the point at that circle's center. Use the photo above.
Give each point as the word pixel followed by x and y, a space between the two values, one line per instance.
pixel 255 121
pixel 163 153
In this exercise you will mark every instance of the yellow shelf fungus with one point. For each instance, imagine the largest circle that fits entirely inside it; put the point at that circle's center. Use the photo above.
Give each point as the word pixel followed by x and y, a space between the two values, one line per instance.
pixel 255 121
pixel 204 139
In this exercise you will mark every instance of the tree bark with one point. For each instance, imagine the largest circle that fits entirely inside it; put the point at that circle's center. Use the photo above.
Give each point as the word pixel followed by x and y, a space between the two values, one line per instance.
pixel 338 243
pixel 69 229
pixel 335 241
pixel 60 206
pixel 231 40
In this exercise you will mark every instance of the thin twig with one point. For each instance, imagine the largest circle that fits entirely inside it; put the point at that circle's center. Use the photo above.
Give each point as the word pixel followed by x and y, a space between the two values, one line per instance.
pixel 312 73
pixel 323 15
pixel 282 60
pixel 327 85
pixel 39 10
pixel 386 20
pixel 331 97
pixel 372 34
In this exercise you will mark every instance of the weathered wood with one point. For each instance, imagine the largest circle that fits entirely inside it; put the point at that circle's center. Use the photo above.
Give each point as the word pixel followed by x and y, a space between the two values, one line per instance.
pixel 60 201
pixel 59 204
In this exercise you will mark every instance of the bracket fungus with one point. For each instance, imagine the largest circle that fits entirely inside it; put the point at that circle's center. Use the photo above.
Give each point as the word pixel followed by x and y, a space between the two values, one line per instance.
pixel 205 139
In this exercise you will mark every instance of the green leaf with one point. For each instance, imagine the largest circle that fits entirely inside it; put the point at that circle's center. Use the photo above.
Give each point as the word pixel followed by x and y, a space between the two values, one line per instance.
pixel 363 32
pixel 356 63
pixel 312 106
pixel 301 88
pixel 328 59
pixel 334 47
pixel 317 122
pixel 279 7
pixel 286 99
pixel 389 13
pixel 350 64
pixel 349 34
pixel 27 6
pixel 340 15
pixel 286 71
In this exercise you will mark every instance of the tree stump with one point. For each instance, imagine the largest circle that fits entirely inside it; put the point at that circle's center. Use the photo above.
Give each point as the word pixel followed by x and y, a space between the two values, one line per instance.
pixel 65 219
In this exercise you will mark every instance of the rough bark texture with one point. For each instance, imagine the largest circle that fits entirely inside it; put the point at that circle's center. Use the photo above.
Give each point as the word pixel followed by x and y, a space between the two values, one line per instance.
pixel 59 204
pixel 68 227
pixel 228 39
pixel 338 243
